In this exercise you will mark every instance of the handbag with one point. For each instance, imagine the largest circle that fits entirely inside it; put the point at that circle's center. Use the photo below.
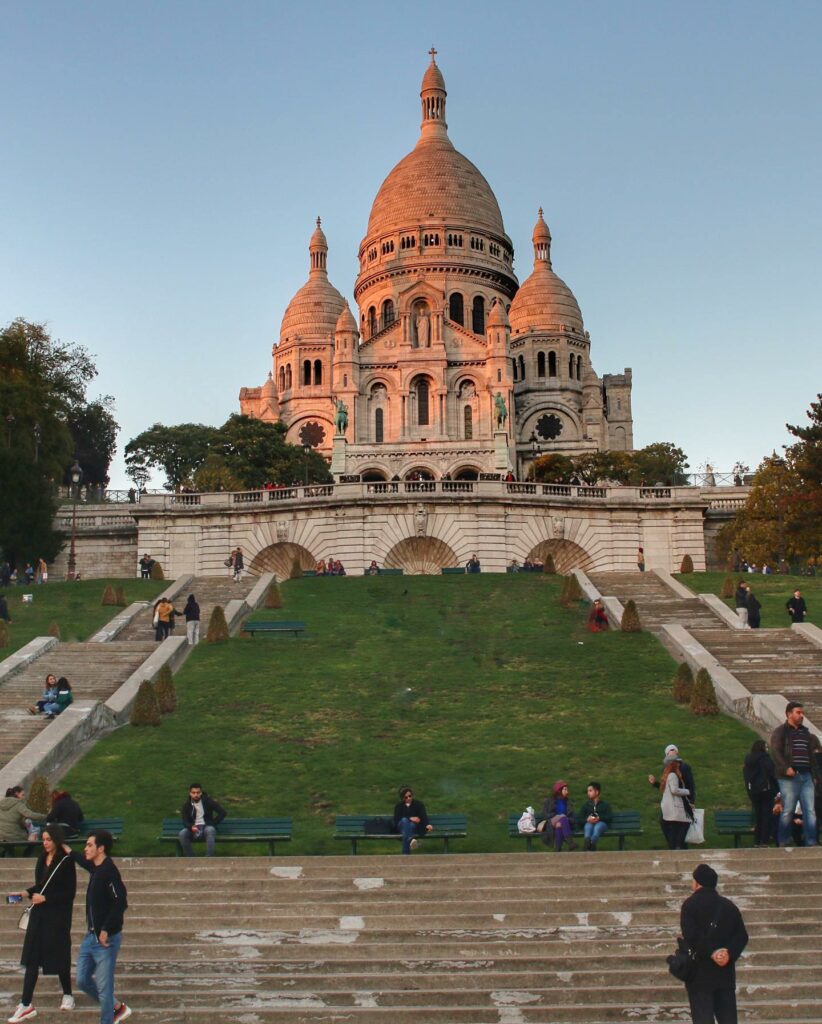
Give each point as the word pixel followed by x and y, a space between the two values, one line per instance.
pixel 696 830
pixel 683 962
pixel 25 917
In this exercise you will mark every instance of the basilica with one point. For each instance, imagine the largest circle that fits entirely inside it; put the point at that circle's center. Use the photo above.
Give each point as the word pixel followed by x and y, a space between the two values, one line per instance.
pixel 446 366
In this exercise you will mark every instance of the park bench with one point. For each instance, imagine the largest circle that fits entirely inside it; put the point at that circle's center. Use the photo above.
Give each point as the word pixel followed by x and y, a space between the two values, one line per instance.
pixel 734 823
pixel 274 627
pixel 236 830
pixel 113 825
pixel 351 828
pixel 391 572
pixel 459 570
pixel 309 572
pixel 624 823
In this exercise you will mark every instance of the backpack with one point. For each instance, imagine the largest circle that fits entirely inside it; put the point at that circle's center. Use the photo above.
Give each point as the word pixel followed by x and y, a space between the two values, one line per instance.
pixel 527 822
pixel 378 827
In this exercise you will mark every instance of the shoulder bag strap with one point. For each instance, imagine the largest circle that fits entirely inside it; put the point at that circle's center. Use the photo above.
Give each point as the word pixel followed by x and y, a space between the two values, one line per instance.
pixel 54 872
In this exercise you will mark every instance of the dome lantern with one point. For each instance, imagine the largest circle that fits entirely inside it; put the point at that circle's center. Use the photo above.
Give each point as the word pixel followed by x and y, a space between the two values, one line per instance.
pixel 542 240
pixel 432 97
pixel 318 250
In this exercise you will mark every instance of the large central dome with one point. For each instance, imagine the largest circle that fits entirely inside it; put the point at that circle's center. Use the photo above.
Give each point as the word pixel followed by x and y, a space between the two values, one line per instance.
pixel 434 182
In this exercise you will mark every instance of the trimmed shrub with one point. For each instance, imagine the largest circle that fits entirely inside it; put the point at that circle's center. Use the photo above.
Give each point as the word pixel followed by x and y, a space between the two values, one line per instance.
pixel 273 598
pixel 687 564
pixel 4 634
pixel 120 597
pixel 166 693
pixel 296 569
pixel 146 710
pixel 39 798
pixel 683 684
pixel 217 627
pixel 571 592
pixel 109 597
pixel 157 572
pixel 548 566
pixel 703 699
pixel 728 587
pixel 630 618
pixel 54 630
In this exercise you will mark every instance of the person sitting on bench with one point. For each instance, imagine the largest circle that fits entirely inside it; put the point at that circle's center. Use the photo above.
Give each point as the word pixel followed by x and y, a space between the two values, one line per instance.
pixel 201 815
pixel 410 819
pixel 596 815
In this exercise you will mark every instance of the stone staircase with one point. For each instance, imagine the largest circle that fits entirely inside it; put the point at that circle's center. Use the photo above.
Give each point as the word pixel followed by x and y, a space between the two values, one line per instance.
pixel 656 605
pixel 486 939
pixel 95 671
pixel 209 591
pixel 770 661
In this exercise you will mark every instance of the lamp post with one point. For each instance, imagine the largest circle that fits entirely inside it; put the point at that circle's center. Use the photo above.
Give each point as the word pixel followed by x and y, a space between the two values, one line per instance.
pixel 535 448
pixel 10 422
pixel 306 452
pixel 37 434
pixel 76 477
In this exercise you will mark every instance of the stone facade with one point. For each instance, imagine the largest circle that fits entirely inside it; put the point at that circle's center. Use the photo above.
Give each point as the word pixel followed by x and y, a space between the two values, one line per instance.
pixel 445 339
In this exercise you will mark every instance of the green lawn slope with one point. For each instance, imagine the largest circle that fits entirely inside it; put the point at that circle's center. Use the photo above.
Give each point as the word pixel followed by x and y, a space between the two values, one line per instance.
pixel 478 691
pixel 75 607
pixel 771 591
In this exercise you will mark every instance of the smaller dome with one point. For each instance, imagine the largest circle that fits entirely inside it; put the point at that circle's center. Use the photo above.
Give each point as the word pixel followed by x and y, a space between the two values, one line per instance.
pixel 314 310
pixel 544 302
pixel 432 79
pixel 541 232
pixel 497 317
pixel 318 239
pixel 346 321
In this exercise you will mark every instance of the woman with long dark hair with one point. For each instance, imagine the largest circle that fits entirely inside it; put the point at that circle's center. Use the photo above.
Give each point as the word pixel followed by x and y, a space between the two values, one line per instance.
pixel 675 804
pixel 760 782
pixel 47 944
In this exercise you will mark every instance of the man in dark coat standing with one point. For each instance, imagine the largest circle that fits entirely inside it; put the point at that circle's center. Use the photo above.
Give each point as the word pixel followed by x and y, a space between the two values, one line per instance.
pixel 712 991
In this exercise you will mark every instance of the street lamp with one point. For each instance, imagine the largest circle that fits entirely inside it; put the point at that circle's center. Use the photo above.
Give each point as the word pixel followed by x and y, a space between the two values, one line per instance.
pixel 306 452
pixel 37 434
pixel 76 476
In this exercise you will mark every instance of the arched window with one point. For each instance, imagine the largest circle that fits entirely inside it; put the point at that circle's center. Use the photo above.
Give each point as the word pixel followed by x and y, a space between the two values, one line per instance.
pixel 522 367
pixel 552 364
pixel 468 423
pixel 318 371
pixel 456 309
pixel 516 369
pixel 579 367
pixel 422 403
pixel 281 377
pixel 378 426
pixel 478 315
pixel 288 377
pixel 499 376
pixel 307 372
pixel 571 365
pixel 540 364
pixel 387 313
pixel 372 321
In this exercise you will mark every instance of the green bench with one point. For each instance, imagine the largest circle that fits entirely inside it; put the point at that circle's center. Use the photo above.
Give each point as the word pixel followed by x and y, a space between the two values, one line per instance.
pixel 459 570
pixel 391 572
pixel 734 823
pixel 309 572
pixel 113 825
pixel 351 828
pixel 274 627
pixel 624 823
pixel 236 830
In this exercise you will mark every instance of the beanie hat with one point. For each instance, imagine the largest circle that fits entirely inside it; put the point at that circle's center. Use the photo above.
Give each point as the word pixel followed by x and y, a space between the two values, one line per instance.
pixel 705 876
pixel 558 787
pixel 672 748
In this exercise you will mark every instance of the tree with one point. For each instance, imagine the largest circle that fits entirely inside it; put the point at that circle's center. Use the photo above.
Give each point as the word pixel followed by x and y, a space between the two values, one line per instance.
pixel 703 699
pixel 27 509
pixel 94 433
pixel 39 798
pixel 215 475
pixel 683 687
pixel 630 618
pixel 687 564
pixel 146 709
pixel 273 596
pixel 166 693
pixel 217 626
pixel 178 451
pixel 551 469
pixel 659 463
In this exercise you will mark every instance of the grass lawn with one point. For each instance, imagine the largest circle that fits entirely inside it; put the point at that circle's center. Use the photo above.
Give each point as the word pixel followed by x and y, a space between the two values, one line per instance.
pixel 75 607
pixel 771 591
pixel 478 691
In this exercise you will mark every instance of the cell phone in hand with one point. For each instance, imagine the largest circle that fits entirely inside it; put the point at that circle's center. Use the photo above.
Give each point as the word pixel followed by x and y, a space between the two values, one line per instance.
pixel 14 897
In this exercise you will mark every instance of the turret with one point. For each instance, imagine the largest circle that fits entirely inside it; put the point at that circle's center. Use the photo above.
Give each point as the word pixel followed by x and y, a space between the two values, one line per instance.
pixel 346 366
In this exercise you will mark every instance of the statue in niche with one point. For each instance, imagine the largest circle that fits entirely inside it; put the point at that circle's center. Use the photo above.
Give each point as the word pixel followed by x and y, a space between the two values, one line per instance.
pixel 467 389
pixel 501 410
pixel 341 418
pixel 423 330
pixel 559 527
pixel 420 520
pixel 283 531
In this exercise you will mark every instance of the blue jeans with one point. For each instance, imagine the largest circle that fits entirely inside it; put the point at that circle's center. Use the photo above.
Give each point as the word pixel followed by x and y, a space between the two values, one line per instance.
pixel 95 972
pixel 408 831
pixel 209 833
pixel 594 830
pixel 798 787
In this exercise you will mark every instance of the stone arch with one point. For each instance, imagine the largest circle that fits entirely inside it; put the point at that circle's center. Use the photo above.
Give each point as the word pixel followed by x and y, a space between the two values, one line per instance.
pixel 421 556
pixel 373 475
pixel 425 472
pixel 566 555
pixel 466 472
pixel 279 558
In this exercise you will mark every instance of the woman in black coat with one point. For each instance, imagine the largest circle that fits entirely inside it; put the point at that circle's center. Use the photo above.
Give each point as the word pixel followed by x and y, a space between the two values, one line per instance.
pixel 48 937
pixel 760 782
pixel 66 812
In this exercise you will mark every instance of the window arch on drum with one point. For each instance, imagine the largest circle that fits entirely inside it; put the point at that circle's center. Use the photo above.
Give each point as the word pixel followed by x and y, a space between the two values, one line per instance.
pixel 456 308
pixel 478 315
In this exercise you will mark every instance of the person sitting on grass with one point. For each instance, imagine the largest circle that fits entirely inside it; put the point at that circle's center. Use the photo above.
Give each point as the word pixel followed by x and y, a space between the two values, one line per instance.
pixel 597 816
pixel 410 819
pixel 49 696
pixel 559 812
pixel 597 618
pixel 62 699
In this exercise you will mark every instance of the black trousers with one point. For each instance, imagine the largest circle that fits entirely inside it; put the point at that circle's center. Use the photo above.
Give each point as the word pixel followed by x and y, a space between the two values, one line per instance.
pixel 675 832
pixel 764 817
pixel 712 1005
pixel 30 980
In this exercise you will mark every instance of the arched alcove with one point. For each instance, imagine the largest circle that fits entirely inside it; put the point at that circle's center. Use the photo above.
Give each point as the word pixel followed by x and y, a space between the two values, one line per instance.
pixel 421 556
pixel 279 559
pixel 566 555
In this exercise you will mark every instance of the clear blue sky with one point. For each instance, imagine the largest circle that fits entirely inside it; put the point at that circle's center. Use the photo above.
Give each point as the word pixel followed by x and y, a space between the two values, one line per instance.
pixel 164 162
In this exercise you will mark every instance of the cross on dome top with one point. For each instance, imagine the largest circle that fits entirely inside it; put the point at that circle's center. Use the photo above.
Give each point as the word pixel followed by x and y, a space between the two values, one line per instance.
pixel 433 54
pixel 433 96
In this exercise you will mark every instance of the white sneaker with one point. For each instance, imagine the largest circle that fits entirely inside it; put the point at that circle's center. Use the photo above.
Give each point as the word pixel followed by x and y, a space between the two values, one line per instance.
pixel 23 1012
pixel 413 844
pixel 67 1003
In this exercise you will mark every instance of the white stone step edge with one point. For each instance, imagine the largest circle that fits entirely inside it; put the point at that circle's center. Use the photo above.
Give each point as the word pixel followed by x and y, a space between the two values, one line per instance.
pixel 764 712
pixel 811 633
pixel 26 656
pixel 722 611
pixel 677 589
pixel 612 605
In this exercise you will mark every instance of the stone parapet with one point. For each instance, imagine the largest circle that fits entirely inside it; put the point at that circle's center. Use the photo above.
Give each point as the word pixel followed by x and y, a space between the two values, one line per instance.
pixel 33 650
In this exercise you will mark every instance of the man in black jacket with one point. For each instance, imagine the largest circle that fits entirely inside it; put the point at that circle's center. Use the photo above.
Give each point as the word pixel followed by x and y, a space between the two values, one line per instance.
pixel 797 609
pixel 713 928
pixel 410 819
pixel 201 815
pixel 106 903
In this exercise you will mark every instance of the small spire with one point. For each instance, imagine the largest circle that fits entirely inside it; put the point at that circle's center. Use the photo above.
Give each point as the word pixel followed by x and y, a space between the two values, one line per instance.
pixel 318 250
pixel 432 95
pixel 542 240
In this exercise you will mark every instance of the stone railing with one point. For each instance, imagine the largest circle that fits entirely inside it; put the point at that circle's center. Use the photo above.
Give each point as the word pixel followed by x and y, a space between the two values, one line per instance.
pixel 93 519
